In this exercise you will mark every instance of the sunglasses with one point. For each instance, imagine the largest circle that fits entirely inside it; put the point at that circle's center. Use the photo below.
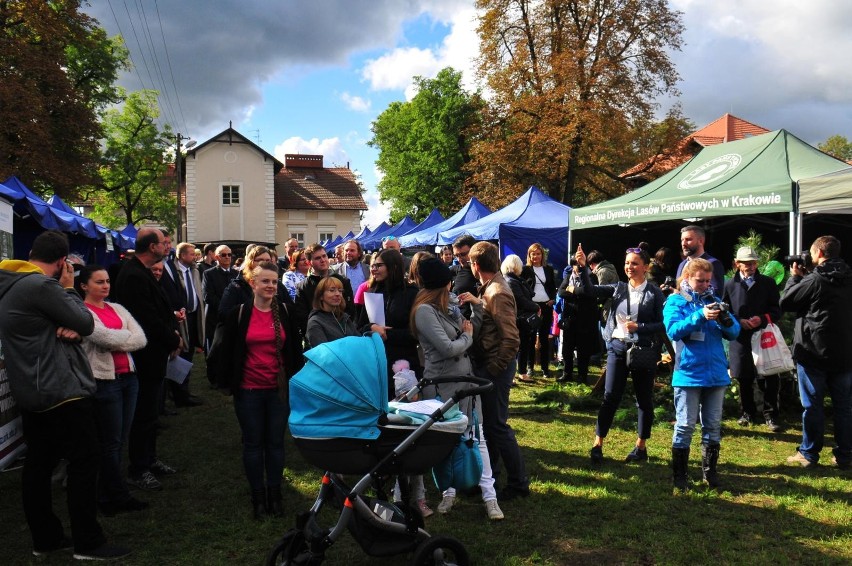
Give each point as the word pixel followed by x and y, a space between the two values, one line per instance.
pixel 389 238
pixel 633 251
pixel 225 255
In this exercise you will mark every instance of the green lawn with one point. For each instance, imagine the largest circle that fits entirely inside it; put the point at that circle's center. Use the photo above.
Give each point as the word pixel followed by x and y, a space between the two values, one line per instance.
pixel 768 513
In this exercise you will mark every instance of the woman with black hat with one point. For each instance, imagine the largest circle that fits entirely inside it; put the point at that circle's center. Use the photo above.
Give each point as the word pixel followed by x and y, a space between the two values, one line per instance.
pixel 445 337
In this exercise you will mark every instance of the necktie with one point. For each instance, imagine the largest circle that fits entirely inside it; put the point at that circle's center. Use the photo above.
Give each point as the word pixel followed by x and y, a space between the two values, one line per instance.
pixel 190 292
pixel 749 281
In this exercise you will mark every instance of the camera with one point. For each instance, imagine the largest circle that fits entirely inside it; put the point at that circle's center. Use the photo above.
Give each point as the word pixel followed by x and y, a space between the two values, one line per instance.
pixel 804 260
pixel 715 303
pixel 668 286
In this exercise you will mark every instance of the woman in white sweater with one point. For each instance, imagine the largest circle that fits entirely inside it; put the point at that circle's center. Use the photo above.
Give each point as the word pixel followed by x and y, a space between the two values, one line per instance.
pixel 108 348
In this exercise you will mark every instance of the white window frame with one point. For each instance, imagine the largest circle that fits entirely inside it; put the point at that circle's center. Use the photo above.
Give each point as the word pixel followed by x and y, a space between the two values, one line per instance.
pixel 232 189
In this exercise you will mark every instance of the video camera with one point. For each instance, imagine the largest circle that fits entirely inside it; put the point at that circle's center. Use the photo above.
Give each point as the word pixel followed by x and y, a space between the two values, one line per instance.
pixel 804 260
pixel 714 303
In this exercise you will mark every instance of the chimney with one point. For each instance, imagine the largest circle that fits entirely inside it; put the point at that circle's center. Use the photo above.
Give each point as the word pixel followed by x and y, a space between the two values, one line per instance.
pixel 294 160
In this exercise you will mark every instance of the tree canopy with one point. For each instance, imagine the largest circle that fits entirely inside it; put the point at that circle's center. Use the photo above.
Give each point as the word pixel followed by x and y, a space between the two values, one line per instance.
pixel 134 183
pixel 573 84
pixel 57 70
pixel 837 146
pixel 423 147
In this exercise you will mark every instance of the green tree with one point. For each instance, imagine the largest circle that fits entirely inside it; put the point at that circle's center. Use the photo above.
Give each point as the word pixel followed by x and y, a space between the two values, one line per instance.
pixel 135 184
pixel 423 146
pixel 57 67
pixel 571 81
pixel 837 146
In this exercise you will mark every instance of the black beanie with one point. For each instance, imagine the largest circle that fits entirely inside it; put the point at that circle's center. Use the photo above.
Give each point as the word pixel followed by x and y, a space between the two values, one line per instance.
pixel 434 274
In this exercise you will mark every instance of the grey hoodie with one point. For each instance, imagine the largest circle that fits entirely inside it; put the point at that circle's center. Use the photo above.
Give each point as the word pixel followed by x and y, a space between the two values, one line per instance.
pixel 43 370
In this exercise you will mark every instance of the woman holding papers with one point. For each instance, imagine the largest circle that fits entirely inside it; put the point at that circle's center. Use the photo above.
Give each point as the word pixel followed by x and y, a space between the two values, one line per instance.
pixel 445 337
pixel 389 281
pixel 263 350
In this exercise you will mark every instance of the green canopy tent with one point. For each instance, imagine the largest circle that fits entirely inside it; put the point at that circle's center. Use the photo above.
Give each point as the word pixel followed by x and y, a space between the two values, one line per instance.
pixel 743 178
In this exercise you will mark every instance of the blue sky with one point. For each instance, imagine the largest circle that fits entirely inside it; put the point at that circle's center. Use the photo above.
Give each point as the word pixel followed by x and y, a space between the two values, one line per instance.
pixel 310 77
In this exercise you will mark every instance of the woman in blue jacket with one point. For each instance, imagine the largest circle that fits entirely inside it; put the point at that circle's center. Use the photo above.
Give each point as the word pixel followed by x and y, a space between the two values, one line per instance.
pixel 697 326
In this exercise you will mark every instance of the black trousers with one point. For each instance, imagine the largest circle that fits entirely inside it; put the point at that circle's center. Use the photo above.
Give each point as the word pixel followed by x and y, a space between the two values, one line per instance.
pixel 543 334
pixel 67 431
pixel 142 443
pixel 768 386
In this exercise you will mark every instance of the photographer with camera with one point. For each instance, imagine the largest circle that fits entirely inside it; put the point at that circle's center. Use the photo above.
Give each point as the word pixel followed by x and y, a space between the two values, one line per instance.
pixel 754 301
pixel 697 321
pixel 818 291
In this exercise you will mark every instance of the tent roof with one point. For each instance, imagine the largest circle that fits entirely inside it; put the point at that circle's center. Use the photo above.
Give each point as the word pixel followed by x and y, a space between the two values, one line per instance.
pixel 533 209
pixel 473 210
pixel 750 176
pixel 827 193
pixel 399 228
pixel 435 217
pixel 362 234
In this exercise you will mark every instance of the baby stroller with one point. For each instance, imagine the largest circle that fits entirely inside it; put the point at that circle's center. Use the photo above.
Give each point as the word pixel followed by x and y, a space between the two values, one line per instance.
pixel 341 423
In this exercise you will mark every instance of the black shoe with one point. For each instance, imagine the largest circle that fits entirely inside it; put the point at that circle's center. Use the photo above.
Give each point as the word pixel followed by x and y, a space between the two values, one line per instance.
pixel 64 543
pixel 637 455
pixel 163 469
pixel 510 493
pixel 744 420
pixel 191 401
pixel 774 426
pixel 103 552
pixel 130 505
pixel 596 454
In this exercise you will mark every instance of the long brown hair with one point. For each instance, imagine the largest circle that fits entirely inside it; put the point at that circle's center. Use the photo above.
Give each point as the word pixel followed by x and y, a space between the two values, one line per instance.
pixel 249 264
pixel 395 266
pixel 438 298
pixel 413 274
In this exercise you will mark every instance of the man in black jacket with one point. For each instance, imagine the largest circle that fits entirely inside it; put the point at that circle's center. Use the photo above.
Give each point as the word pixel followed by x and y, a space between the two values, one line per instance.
pixel 463 279
pixel 821 348
pixel 305 291
pixel 141 294
pixel 754 301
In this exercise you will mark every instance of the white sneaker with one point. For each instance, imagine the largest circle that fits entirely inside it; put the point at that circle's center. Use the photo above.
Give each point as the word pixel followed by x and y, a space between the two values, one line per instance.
pixel 492 509
pixel 446 504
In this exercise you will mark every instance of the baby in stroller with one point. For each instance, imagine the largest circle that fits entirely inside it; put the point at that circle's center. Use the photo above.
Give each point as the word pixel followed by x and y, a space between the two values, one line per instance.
pixel 341 424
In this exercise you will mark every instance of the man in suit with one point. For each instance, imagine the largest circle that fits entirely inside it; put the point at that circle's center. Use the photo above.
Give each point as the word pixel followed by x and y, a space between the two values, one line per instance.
pixel 213 284
pixel 352 266
pixel 140 293
pixel 754 300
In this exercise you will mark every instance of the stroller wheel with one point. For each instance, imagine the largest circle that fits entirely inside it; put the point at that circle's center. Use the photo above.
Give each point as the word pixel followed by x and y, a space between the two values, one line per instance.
pixel 440 551
pixel 292 550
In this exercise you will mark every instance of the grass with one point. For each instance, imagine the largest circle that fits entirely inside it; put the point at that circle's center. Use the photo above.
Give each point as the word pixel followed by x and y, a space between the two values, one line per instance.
pixel 767 513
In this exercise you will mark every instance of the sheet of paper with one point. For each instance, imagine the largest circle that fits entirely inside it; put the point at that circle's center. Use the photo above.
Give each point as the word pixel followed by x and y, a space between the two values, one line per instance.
pixel 375 305
pixel 178 369
pixel 424 407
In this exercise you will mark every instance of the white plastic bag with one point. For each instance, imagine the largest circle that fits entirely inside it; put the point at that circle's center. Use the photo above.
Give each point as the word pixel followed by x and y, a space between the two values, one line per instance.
pixel 770 352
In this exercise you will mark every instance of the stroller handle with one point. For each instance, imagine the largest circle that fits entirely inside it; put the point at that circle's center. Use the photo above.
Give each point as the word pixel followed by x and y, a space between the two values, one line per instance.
pixel 482 385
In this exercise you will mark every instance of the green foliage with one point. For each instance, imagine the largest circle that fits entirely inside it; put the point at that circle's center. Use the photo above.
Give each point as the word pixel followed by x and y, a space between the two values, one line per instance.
pixel 837 146
pixel 134 185
pixel 423 147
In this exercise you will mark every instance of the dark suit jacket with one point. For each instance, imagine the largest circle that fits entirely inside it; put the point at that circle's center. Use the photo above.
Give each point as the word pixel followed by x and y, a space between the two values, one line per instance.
pixel 529 277
pixel 213 284
pixel 762 299
pixel 140 293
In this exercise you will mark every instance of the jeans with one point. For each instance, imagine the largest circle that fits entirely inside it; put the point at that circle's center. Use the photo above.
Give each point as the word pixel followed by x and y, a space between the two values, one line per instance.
pixel 616 381
pixel 813 385
pixel 263 418
pixel 67 431
pixel 115 403
pixel 495 422
pixel 688 402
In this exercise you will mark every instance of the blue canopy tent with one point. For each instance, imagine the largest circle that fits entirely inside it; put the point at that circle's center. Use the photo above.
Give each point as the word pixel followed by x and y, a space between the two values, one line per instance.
pixel 98 243
pixel 362 235
pixel 473 210
pixel 401 227
pixel 383 227
pixel 374 242
pixel 331 244
pixel 434 217
pixel 534 217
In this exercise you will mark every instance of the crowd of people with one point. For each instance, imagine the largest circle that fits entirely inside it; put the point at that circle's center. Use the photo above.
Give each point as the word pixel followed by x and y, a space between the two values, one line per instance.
pixel 92 352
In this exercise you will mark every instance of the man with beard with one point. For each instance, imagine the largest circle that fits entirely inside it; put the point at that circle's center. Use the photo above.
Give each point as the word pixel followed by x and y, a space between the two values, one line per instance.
pixel 692 244
pixel 305 291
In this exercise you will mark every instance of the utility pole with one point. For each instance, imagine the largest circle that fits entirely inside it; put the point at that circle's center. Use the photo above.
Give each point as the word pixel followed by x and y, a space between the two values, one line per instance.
pixel 178 175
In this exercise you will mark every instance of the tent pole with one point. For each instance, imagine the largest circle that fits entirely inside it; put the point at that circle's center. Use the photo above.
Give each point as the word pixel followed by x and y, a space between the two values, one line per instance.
pixel 793 231
pixel 799 233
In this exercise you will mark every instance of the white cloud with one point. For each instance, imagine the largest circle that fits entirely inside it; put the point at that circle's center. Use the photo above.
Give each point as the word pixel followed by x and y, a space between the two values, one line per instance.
pixel 331 149
pixel 377 211
pixel 355 103
pixel 395 69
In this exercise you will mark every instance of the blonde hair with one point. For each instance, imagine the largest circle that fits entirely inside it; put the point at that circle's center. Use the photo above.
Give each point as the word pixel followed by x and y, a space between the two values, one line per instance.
pixel 539 247
pixel 329 283
pixel 694 266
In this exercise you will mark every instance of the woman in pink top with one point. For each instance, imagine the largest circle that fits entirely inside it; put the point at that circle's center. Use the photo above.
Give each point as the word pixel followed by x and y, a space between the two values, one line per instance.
pixel 108 348
pixel 262 351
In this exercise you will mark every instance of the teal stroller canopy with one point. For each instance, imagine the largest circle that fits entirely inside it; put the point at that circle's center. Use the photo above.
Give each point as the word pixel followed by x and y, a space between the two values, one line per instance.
pixel 342 391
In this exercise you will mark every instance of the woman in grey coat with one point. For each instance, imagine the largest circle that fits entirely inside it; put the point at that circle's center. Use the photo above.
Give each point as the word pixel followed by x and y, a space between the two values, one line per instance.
pixel 445 337
pixel 329 321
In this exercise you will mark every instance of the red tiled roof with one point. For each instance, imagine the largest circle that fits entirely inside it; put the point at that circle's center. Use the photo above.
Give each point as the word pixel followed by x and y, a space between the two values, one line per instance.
pixel 333 188
pixel 725 129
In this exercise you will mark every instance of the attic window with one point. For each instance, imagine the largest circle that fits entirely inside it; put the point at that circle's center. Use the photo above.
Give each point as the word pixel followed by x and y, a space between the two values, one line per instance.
pixel 309 178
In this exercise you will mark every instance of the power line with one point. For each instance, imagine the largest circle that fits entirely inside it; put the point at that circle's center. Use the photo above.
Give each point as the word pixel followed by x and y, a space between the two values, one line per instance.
pixel 167 108
pixel 129 53
pixel 169 61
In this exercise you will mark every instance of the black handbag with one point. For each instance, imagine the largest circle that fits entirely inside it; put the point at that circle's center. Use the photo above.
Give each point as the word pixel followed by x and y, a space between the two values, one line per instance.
pixel 533 321
pixel 642 357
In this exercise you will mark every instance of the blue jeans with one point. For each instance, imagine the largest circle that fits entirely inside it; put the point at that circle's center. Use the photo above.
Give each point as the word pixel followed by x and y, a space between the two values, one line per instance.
pixel 263 417
pixel 115 404
pixel 495 424
pixel 689 401
pixel 813 385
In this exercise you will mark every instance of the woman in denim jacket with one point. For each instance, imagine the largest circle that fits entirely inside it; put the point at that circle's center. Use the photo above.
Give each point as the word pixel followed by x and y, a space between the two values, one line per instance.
pixel 697 327
pixel 635 317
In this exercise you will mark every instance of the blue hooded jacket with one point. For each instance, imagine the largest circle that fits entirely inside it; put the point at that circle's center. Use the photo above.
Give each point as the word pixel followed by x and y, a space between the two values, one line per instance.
pixel 698 363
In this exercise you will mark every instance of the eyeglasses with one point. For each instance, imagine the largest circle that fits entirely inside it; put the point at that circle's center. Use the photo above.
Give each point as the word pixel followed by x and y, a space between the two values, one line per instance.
pixel 377 265
pixel 389 238
pixel 462 254
pixel 633 251
pixel 225 255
